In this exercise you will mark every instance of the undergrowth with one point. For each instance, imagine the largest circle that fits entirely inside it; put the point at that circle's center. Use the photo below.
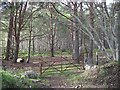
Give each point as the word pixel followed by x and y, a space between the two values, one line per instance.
pixel 14 81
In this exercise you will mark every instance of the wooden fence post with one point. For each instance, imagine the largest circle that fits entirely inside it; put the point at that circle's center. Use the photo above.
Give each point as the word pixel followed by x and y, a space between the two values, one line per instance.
pixel 40 66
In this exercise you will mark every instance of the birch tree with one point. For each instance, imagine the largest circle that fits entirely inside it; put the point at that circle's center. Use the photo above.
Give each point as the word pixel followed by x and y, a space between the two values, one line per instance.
pixel 108 29
pixel 118 29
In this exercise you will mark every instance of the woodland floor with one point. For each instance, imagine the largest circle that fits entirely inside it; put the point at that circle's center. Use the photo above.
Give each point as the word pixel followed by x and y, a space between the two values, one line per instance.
pixel 75 79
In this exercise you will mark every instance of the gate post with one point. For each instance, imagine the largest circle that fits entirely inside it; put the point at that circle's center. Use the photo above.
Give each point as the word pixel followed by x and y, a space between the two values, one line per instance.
pixel 40 66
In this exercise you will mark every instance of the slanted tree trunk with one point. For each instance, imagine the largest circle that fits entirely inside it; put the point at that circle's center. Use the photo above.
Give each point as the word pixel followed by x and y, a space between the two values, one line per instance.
pixel 118 34
pixel 118 38
pixel 9 41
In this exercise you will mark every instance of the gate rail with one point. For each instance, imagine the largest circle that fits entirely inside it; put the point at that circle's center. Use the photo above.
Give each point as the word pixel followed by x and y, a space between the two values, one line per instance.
pixel 50 64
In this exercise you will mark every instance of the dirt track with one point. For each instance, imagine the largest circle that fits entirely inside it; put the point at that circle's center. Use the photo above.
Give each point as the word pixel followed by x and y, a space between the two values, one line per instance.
pixel 36 61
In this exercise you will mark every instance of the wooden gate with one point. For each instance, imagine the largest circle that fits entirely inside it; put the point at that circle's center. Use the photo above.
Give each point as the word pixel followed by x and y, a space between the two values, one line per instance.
pixel 64 64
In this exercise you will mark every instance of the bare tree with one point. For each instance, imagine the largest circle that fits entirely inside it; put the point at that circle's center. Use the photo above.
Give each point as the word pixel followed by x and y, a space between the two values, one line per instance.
pixel 75 35
pixel 91 30
pixel 21 13
pixel 9 40
pixel 52 29
pixel 108 30
pixel 118 27
pixel 30 33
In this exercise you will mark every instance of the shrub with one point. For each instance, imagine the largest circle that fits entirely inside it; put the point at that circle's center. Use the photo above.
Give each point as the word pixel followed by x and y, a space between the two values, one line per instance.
pixel 14 81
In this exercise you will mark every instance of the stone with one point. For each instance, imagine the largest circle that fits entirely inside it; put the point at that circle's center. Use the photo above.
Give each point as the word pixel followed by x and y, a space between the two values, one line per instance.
pixel 31 74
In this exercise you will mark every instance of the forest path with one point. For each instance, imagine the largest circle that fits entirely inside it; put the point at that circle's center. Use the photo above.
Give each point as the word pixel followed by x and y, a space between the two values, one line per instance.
pixel 106 76
pixel 58 82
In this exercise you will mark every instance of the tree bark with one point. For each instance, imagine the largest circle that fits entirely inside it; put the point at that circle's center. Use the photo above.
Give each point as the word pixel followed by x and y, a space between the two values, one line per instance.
pixel 75 37
pixel 118 34
pixel 33 42
pixel 30 31
pixel 17 35
pixel 9 41
pixel 91 41
pixel 16 51
pixel 17 32
pixel 51 36
pixel 52 46
pixel 81 52
pixel 52 31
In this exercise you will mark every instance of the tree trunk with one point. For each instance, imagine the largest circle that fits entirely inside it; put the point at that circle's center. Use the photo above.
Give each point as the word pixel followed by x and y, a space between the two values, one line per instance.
pixel 13 41
pixel 52 46
pixel 30 31
pixel 33 42
pixel 16 51
pixel 51 37
pixel 52 32
pixel 29 47
pixel 118 34
pixel 9 41
pixel 81 52
pixel 17 32
pixel 71 29
pixel 75 37
pixel 91 41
